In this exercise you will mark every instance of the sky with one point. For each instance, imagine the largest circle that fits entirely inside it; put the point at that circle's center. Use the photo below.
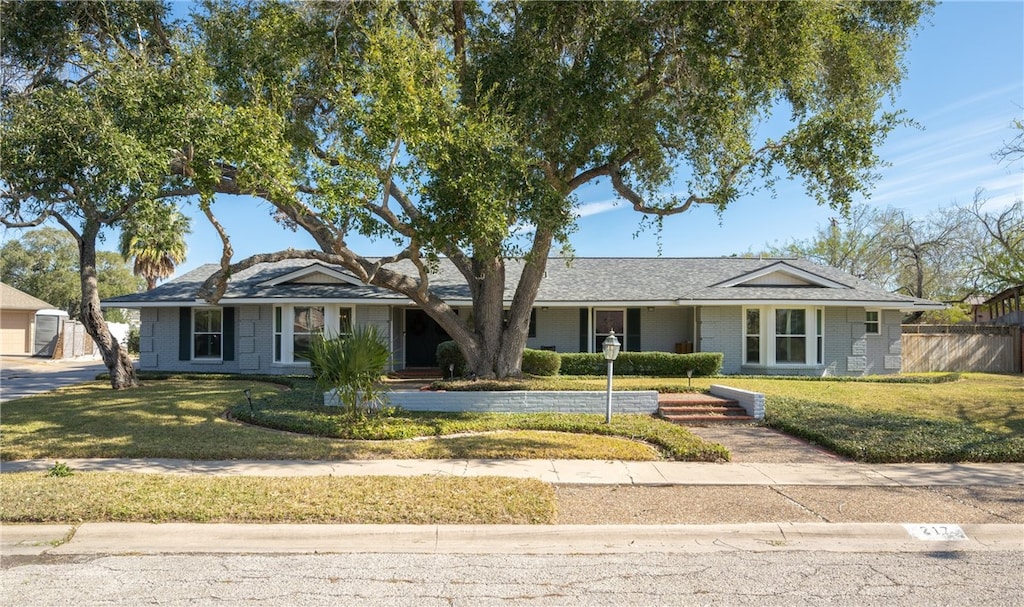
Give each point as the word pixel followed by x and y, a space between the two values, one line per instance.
pixel 964 87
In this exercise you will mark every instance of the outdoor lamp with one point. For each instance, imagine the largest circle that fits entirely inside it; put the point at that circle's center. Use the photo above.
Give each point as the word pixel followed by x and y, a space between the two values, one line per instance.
pixel 611 352
pixel 248 396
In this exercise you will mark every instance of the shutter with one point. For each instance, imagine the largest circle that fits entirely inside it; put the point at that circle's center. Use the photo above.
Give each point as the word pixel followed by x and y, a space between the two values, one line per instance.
pixel 533 323
pixel 228 334
pixel 584 330
pixel 633 330
pixel 184 334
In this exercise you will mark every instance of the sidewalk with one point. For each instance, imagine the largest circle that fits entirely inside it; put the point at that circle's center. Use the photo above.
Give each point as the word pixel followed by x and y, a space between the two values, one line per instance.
pixel 580 472
pixel 918 534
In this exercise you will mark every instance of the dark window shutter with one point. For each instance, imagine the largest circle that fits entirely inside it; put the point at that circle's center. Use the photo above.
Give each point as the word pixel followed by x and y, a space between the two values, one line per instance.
pixel 633 329
pixel 533 323
pixel 228 329
pixel 584 330
pixel 184 333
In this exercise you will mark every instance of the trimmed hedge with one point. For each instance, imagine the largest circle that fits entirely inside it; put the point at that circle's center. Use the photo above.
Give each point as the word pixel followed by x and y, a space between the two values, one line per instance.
pixel 448 353
pixel 651 364
pixel 541 362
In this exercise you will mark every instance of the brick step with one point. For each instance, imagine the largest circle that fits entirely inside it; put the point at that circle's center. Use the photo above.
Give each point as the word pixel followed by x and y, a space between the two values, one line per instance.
pixel 702 420
pixel 700 409
pixel 418 373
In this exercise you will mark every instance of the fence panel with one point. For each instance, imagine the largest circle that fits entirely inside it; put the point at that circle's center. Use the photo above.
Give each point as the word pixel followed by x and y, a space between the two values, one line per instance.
pixel 986 349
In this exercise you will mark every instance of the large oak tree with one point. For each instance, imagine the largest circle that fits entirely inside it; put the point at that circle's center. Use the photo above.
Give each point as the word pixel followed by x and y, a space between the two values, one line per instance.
pixel 462 130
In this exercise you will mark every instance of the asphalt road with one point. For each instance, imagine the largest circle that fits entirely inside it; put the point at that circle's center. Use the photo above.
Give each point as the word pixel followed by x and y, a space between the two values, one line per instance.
pixel 23 375
pixel 475 580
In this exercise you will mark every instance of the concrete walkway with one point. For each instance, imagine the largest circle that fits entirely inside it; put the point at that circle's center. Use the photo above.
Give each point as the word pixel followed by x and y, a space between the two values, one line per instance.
pixel 578 472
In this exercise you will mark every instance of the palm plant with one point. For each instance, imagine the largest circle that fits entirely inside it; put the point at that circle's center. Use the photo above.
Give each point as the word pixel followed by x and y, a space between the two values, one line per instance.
pixel 157 242
pixel 351 366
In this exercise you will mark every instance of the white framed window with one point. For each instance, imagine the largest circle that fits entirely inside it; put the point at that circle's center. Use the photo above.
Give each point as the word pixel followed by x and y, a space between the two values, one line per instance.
pixel 207 333
pixel 783 336
pixel 791 336
pixel 752 336
pixel 873 322
pixel 296 325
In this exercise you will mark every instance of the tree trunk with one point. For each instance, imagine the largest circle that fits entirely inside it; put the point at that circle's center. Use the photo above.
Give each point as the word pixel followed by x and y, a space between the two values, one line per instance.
pixel 119 364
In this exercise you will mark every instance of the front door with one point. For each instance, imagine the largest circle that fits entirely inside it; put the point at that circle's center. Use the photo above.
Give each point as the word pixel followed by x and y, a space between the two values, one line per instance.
pixel 422 335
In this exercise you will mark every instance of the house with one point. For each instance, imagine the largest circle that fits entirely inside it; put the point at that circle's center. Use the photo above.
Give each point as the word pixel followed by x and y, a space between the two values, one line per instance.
pixel 28 325
pixel 1003 308
pixel 767 316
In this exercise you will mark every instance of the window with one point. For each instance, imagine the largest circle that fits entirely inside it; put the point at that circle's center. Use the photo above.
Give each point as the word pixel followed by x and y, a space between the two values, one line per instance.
pixel 783 336
pixel 206 333
pixel 790 336
pixel 295 326
pixel 606 321
pixel 872 323
pixel 752 337
pixel 820 322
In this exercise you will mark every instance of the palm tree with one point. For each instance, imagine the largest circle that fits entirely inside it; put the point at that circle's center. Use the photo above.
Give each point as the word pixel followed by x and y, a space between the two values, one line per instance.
pixel 157 242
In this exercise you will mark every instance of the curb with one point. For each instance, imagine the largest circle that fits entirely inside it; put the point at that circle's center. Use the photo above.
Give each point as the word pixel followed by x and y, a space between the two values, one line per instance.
pixel 187 538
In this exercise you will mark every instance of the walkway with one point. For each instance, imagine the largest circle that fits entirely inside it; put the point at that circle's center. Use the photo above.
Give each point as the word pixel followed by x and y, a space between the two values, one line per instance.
pixel 580 472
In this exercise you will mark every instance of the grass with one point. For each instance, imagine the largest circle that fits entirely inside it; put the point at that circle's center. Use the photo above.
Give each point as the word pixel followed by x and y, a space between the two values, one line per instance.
pixel 971 417
pixel 183 419
pixel 122 497
pixel 977 418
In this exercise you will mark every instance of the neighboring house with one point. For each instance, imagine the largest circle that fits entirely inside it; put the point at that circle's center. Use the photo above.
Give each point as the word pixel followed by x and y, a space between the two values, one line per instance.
pixel 778 316
pixel 1003 308
pixel 26 320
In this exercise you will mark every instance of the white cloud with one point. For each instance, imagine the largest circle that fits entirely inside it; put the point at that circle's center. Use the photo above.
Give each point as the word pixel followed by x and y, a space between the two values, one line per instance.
pixel 596 208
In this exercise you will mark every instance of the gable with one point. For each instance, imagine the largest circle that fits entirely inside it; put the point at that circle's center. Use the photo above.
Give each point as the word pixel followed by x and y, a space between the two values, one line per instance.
pixel 315 274
pixel 781 274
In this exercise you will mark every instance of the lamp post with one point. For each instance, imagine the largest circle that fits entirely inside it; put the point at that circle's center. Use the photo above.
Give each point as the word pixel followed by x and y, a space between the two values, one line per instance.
pixel 610 346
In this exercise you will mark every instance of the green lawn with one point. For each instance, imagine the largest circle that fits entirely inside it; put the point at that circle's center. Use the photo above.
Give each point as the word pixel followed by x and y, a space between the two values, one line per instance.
pixel 979 418
pixel 184 418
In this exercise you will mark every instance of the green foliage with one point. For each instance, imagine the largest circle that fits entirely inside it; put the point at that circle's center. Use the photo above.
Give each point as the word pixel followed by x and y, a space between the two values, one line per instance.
pixel 351 366
pixel 449 356
pixel 675 441
pixel 541 362
pixel 133 340
pixel 888 437
pixel 655 364
pixel 44 263
pixel 59 470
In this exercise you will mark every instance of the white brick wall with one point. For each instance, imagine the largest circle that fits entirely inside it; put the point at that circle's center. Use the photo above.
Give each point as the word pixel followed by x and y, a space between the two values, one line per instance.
pixel 521 401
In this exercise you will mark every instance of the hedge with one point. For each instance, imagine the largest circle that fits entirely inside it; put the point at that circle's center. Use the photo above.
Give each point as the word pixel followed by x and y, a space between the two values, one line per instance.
pixel 651 364
pixel 546 363
pixel 541 362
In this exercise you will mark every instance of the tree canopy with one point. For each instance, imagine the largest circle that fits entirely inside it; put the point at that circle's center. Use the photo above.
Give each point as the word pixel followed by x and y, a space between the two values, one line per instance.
pixel 456 130
pixel 463 130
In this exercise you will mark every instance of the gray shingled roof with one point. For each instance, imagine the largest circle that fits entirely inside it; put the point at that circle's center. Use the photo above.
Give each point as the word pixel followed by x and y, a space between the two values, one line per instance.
pixel 645 281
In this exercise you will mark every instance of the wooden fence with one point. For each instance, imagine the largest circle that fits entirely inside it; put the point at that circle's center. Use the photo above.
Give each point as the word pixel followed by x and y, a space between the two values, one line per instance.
pixel 981 348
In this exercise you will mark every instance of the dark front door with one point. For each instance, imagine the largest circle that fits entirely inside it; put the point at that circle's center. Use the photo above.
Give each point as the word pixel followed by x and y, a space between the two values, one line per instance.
pixel 422 335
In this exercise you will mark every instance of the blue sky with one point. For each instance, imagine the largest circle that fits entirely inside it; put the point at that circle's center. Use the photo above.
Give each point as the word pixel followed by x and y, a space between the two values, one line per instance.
pixel 964 86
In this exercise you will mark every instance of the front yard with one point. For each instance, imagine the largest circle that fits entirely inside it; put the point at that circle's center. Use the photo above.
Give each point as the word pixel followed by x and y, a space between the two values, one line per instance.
pixel 977 418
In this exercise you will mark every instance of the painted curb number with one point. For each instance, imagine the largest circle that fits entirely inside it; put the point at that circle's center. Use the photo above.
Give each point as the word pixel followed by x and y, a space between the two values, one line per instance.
pixel 936 533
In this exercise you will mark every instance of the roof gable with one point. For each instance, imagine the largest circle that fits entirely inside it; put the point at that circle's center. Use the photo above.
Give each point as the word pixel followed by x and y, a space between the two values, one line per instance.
pixel 781 274
pixel 314 274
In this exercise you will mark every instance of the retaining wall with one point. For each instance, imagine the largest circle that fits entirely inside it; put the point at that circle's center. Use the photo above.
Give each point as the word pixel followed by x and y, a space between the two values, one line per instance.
pixel 520 401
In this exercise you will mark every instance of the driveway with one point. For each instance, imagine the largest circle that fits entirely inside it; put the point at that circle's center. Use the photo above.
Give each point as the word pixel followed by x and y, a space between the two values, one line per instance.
pixel 25 375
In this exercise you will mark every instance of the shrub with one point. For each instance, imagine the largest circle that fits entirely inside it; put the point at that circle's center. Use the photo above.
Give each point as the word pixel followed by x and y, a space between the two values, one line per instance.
pixel 652 364
pixel 448 354
pixel 132 343
pixel 541 362
pixel 352 367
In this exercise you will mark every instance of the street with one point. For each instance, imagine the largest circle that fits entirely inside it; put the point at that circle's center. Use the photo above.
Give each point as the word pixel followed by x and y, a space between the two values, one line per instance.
pixel 424 580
